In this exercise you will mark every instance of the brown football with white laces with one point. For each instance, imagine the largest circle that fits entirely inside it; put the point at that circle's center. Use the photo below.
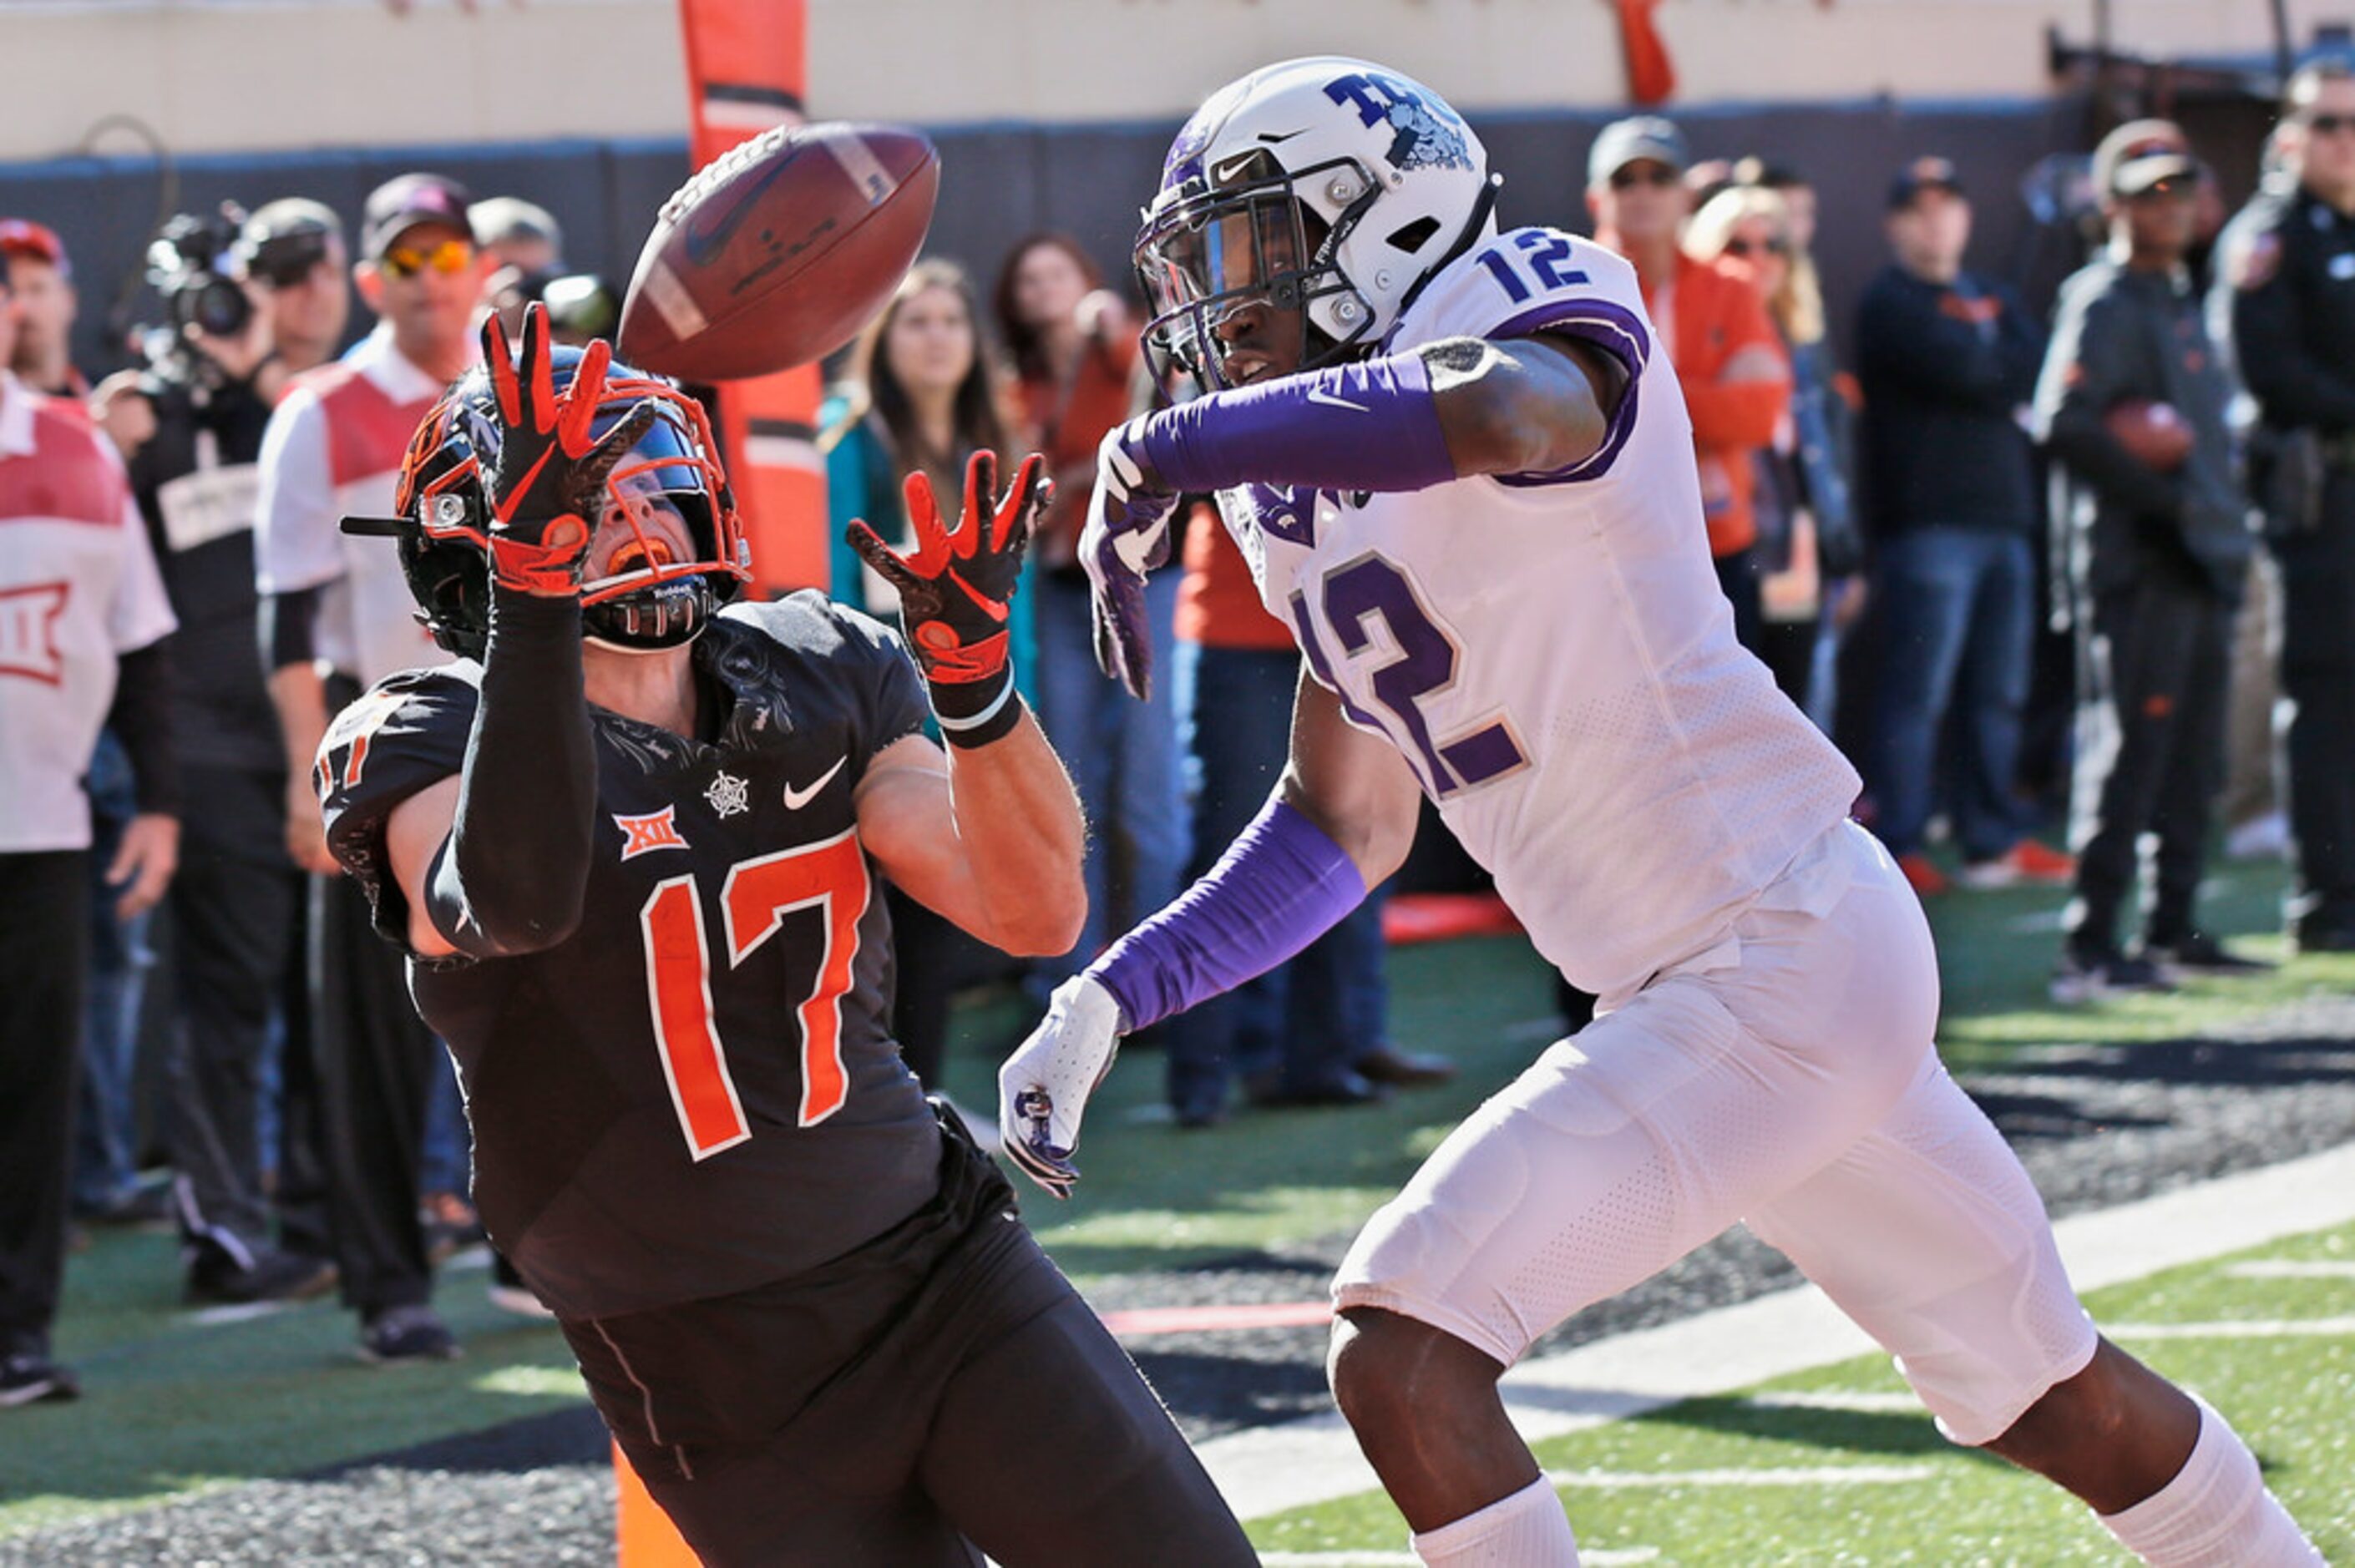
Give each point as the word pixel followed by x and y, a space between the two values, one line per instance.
pixel 777 253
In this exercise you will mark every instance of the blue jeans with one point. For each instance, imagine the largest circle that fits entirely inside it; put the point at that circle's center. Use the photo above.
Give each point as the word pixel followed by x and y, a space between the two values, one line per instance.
pixel 105 1163
pixel 1124 758
pixel 1302 1023
pixel 1959 608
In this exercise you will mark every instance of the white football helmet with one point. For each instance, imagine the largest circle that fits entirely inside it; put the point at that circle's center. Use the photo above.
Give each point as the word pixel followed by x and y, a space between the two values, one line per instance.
pixel 1325 186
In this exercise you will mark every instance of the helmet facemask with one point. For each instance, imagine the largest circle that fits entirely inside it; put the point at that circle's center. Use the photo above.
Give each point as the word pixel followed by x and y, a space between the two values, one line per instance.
pixel 683 559
pixel 1256 242
pixel 657 589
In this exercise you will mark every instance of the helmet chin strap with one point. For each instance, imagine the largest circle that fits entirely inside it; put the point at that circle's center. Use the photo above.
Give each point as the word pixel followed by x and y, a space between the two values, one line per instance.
pixel 1465 237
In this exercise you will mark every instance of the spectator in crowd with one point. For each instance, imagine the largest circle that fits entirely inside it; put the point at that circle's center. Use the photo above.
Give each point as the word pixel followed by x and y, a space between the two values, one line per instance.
pixel 85 648
pixel 105 1185
pixel 1806 541
pixel 1737 384
pixel 339 618
pixel 922 396
pixel 1948 361
pixel 2160 550
pixel 295 249
pixel 47 304
pixel 1075 355
pixel 2282 303
pixel 519 234
pixel 190 428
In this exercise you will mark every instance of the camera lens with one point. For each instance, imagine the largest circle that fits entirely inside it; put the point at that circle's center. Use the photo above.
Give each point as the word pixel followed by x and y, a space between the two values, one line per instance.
pixel 215 306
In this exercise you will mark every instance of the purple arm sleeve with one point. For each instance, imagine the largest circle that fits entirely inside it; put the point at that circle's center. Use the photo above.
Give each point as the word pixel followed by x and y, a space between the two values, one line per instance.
pixel 1281 886
pixel 1371 426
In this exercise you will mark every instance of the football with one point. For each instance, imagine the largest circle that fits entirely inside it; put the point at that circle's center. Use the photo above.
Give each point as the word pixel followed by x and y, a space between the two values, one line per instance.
pixel 777 253
pixel 2154 432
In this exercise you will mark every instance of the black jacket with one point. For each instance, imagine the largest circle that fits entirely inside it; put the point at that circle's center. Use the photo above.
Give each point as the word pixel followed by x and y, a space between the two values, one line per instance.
pixel 1945 367
pixel 2283 306
pixel 197 483
pixel 2120 335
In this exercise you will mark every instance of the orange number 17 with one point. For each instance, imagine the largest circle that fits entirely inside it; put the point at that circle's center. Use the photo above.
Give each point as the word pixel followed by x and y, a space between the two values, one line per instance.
pixel 758 896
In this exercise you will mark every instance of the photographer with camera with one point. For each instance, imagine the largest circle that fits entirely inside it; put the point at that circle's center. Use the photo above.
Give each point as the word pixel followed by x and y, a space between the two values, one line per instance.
pixel 252 301
pixel 340 618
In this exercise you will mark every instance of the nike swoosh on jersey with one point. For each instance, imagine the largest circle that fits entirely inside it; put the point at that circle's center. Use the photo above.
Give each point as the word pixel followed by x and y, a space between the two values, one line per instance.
pixel 1333 399
pixel 797 799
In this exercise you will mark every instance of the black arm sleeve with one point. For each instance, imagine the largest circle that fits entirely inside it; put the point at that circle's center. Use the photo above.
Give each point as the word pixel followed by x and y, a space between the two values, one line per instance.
pixel 286 622
pixel 511 875
pixel 142 719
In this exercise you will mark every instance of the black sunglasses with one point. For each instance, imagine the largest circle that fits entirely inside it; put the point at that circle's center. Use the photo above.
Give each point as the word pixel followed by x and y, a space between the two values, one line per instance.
pixel 1631 176
pixel 2328 125
pixel 1739 246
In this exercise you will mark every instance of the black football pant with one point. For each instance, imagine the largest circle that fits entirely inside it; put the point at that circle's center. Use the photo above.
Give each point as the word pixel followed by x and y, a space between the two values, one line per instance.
pixel 375 1062
pixel 940 1392
pixel 235 921
pixel 44 951
pixel 2150 754
pixel 2318 674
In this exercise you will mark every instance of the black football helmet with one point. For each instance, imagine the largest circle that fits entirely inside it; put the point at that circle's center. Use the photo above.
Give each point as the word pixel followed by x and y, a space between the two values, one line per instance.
pixel 645 599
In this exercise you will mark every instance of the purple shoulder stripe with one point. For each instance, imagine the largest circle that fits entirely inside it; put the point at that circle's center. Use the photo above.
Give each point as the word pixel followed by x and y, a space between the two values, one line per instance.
pixel 1617 332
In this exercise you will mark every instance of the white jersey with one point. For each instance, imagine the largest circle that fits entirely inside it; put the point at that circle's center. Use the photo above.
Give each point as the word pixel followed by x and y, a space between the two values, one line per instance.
pixel 78 586
pixel 1554 653
pixel 334 448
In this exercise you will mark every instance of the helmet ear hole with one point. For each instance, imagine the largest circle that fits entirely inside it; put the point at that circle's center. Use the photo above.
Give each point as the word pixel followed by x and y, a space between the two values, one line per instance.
pixel 1413 237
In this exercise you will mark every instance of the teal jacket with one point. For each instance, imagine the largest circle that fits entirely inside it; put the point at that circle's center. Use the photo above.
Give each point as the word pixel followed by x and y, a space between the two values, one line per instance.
pixel 861 482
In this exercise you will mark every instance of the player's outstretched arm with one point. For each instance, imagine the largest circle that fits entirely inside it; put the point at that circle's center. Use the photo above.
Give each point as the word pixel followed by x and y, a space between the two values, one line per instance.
pixel 1405 421
pixel 1339 822
pixel 990 837
pixel 496 862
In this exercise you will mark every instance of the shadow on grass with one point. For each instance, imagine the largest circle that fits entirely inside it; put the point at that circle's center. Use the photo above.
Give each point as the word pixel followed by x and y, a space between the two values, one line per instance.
pixel 1876 1433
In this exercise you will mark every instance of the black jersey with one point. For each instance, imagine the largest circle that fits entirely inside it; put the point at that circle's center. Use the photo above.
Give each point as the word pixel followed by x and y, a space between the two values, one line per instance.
pixel 696 1092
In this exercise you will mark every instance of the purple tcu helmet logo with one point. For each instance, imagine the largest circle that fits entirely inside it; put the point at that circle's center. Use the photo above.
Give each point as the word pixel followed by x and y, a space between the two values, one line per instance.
pixel 1426 133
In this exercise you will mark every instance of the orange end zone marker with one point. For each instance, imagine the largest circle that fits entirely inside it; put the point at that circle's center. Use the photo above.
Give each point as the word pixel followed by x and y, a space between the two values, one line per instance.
pixel 647 1538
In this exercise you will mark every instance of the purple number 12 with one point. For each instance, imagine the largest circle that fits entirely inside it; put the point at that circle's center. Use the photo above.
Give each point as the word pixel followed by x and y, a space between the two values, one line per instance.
pixel 1369 588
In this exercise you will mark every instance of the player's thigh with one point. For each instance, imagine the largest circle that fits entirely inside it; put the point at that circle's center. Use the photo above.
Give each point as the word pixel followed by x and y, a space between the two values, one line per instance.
pixel 1931 1236
pixel 1050 1451
pixel 762 1511
pixel 1660 1124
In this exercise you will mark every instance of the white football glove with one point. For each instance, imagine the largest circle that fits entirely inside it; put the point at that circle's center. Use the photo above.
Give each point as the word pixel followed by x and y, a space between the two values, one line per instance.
pixel 1043 1088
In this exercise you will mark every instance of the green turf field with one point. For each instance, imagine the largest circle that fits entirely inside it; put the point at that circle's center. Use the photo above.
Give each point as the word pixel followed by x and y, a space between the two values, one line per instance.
pixel 1838 1467
pixel 174 1403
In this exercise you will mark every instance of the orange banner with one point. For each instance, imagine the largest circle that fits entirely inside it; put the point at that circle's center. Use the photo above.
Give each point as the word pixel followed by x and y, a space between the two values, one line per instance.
pixel 1651 75
pixel 746 61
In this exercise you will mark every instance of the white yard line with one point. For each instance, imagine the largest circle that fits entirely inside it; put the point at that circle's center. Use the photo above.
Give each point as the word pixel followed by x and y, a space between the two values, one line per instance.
pixel 1792 1476
pixel 2262 1329
pixel 2291 1268
pixel 1887 1401
pixel 1587 1557
pixel 1271 1468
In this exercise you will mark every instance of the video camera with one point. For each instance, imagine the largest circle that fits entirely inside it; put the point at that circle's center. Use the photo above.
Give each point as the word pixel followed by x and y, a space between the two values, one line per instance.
pixel 194 263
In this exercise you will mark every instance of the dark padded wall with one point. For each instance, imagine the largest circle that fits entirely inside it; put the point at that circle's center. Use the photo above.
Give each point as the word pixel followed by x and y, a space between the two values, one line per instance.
pixel 1003 181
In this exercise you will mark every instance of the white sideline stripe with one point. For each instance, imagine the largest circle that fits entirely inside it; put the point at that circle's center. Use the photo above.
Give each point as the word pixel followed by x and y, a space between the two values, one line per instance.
pixel 1794 1475
pixel 2291 1268
pixel 1409 1560
pixel 2261 1328
pixel 1268 1469
pixel 1887 1403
